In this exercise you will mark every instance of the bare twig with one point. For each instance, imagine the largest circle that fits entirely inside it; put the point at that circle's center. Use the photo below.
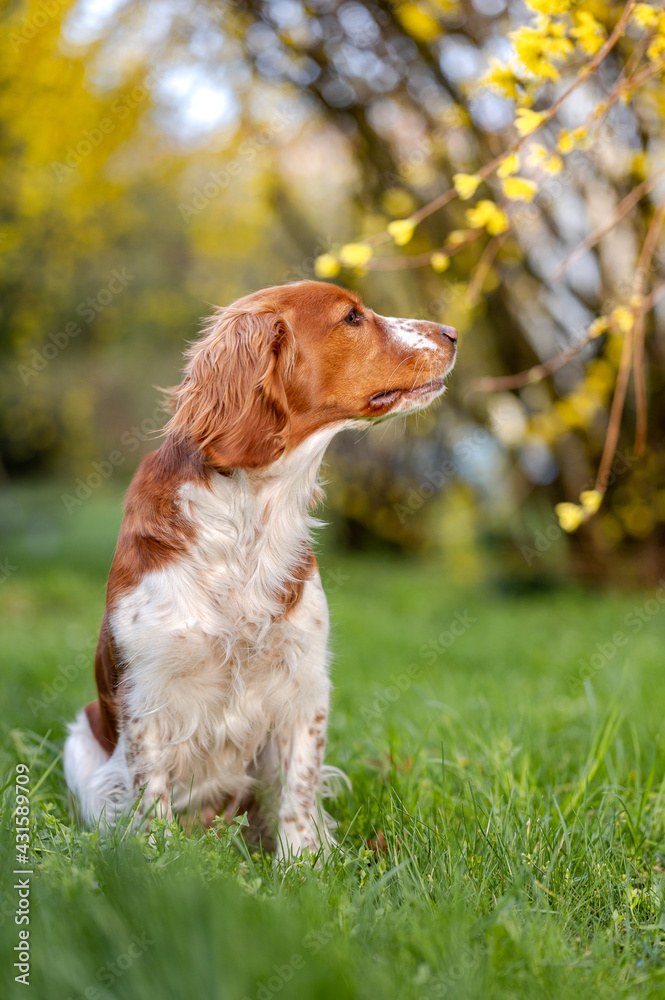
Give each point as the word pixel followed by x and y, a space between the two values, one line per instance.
pixel 643 267
pixel 529 375
pixel 616 412
pixel 639 328
pixel 482 268
pixel 654 297
pixel 622 209
pixel 421 259
pixel 630 353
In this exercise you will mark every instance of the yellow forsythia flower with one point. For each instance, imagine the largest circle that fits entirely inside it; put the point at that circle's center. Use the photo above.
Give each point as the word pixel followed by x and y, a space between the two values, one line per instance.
pixel 440 261
pixel 398 202
pixel 657 46
pixel 418 22
pixel 498 223
pixel 326 266
pixel 591 500
pixel 538 156
pixel 466 185
pixel 457 236
pixel 550 6
pixel 530 47
pixel 510 165
pixel 556 43
pixel 487 214
pixel 644 14
pixel 528 121
pixel 537 153
pixel 623 318
pixel 588 32
pixel 597 327
pixel 537 47
pixel 570 516
pixel 553 164
pixel 519 189
pixel 566 141
pixel 503 78
pixel 401 231
pixel 355 254
pixel 640 165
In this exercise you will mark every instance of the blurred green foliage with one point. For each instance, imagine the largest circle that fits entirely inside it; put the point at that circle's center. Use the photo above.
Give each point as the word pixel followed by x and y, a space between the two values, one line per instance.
pixel 158 160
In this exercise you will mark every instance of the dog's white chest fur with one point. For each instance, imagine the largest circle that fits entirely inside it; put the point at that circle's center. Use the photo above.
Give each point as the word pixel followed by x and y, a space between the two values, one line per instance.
pixel 217 666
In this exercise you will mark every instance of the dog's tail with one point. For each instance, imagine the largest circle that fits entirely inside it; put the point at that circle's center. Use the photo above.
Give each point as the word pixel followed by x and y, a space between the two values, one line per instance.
pixel 333 779
pixel 100 783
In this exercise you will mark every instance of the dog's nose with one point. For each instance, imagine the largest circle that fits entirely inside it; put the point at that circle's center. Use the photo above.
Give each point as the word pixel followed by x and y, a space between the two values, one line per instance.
pixel 450 332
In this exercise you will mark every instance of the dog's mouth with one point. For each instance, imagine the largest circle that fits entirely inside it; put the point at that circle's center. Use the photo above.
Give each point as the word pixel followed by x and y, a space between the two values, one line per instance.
pixel 382 399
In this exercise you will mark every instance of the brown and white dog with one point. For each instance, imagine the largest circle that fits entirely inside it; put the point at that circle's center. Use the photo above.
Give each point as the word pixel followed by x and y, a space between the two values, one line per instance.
pixel 212 663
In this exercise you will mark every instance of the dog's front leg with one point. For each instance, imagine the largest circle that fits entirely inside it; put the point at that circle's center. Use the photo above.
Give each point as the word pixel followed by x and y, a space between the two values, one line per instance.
pixel 149 774
pixel 300 825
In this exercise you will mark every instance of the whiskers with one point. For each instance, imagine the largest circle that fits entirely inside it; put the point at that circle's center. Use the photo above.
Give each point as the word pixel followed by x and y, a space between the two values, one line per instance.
pixel 397 367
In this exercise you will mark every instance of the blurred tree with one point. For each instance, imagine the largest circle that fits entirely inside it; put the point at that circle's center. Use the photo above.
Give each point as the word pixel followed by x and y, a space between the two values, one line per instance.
pixel 495 166
pixel 549 244
pixel 70 235
pixel 110 250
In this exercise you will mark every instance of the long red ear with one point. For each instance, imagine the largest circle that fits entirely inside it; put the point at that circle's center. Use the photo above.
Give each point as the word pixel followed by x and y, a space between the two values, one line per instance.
pixel 232 402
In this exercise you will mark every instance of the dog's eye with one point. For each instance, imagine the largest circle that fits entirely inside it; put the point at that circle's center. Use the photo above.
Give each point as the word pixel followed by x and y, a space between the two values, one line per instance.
pixel 353 318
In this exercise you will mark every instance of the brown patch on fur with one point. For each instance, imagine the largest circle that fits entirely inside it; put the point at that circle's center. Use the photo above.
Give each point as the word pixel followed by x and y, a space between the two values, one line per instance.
pixel 293 589
pixel 104 721
pixel 154 530
pixel 260 830
pixel 231 402
pixel 93 713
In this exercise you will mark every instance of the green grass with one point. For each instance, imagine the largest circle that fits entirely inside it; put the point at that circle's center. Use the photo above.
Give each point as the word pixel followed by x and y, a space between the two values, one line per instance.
pixel 522 808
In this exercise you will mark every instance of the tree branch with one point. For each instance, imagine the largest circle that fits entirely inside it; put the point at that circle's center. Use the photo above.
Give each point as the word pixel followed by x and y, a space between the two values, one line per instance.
pixel 622 209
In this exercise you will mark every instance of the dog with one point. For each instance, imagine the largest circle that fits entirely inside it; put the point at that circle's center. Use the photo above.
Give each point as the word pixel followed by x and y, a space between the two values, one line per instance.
pixel 212 661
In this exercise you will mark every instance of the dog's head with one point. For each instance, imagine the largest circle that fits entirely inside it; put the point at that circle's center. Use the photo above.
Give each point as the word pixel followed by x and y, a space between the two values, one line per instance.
pixel 280 364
